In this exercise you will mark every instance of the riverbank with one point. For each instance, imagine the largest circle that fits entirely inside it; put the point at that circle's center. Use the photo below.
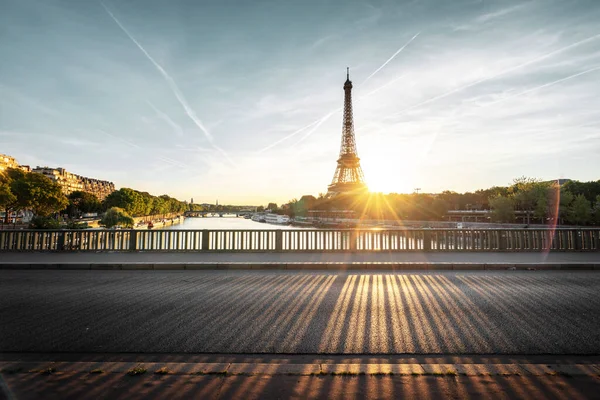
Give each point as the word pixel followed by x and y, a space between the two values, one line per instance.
pixel 157 222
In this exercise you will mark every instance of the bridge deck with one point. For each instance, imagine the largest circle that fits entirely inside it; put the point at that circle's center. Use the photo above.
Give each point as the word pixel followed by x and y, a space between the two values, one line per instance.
pixel 433 260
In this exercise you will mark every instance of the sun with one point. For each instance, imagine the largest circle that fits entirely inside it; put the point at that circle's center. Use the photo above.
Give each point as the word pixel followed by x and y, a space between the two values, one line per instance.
pixel 386 176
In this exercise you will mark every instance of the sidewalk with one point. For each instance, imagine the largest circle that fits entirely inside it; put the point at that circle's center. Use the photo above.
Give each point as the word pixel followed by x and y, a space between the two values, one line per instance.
pixel 113 380
pixel 299 260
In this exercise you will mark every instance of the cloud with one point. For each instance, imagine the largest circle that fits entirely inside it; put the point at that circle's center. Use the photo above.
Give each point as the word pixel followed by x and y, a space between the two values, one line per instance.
pixel 495 75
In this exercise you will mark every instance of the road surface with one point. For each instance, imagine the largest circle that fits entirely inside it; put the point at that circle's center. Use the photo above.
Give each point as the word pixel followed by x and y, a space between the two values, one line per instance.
pixel 448 312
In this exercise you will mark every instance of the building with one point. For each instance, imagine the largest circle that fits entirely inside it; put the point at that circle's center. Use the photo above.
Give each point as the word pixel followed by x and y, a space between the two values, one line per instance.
pixel 98 188
pixel 10 162
pixel 72 183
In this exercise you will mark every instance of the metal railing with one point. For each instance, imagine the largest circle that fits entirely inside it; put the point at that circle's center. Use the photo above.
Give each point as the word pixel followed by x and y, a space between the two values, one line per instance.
pixel 360 240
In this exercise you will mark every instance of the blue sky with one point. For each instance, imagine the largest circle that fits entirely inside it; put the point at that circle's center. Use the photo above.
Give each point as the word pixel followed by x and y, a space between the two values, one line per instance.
pixel 241 100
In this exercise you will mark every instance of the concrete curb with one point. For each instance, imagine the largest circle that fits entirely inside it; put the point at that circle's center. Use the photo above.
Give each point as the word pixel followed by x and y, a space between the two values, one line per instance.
pixel 328 266
pixel 133 368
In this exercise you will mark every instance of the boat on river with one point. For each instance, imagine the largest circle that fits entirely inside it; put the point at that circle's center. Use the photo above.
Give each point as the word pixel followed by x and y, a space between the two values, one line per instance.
pixel 277 219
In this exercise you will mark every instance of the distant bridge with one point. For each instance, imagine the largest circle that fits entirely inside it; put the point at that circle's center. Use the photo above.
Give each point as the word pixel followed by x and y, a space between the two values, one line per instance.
pixel 479 215
pixel 217 214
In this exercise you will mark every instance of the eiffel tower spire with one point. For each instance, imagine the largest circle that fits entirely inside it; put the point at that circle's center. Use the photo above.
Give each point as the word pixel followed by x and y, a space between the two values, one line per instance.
pixel 348 177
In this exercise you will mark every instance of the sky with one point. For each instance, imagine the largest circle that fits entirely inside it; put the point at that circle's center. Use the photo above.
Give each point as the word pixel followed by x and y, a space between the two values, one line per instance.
pixel 241 101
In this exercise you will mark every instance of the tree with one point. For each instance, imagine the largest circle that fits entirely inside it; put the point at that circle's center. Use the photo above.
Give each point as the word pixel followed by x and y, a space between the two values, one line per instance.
pixel 13 192
pixel 7 197
pixel 21 190
pixel 566 198
pixel 438 209
pixel 596 211
pixel 272 206
pixel 502 209
pixel 43 195
pixel 83 202
pixel 44 223
pixel 580 210
pixel 125 198
pixel 116 216
pixel 527 193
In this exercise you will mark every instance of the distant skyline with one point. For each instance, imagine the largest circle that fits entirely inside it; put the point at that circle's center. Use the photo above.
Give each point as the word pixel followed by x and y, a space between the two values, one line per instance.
pixel 241 101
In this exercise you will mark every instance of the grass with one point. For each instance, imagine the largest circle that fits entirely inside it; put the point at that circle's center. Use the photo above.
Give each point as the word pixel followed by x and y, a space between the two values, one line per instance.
pixel 96 371
pixel 137 370
pixel 211 373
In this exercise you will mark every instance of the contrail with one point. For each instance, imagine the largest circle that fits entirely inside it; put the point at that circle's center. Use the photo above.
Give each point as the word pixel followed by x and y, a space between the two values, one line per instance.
pixel 541 86
pixel 167 119
pixel 391 58
pixel 172 84
pixel 289 136
pixel 321 120
pixel 506 71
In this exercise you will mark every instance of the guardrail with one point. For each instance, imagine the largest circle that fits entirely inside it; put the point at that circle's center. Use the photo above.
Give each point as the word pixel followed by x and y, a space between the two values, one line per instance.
pixel 396 240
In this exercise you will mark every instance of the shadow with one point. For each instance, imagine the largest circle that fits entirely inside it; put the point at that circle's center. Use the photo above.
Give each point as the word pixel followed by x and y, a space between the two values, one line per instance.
pixel 152 386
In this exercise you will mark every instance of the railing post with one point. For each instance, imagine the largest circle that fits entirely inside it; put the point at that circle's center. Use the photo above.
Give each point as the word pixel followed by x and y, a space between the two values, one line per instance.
pixel 132 240
pixel 353 239
pixel 278 240
pixel 577 245
pixel 502 239
pixel 426 240
pixel 60 242
pixel 205 241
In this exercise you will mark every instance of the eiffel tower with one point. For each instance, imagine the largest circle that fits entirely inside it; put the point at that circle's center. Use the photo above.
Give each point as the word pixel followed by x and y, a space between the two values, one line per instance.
pixel 348 177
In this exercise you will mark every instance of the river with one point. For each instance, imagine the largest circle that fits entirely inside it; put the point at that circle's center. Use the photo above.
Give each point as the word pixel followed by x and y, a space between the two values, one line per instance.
pixel 229 223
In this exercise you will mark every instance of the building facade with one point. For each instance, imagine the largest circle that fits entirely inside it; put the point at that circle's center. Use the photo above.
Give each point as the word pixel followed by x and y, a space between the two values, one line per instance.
pixel 10 162
pixel 72 183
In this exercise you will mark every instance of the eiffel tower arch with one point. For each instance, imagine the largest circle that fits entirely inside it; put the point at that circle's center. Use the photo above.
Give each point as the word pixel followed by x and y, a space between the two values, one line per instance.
pixel 348 177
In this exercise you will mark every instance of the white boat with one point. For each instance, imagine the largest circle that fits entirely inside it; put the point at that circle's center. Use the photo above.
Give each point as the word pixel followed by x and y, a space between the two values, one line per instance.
pixel 258 217
pixel 277 219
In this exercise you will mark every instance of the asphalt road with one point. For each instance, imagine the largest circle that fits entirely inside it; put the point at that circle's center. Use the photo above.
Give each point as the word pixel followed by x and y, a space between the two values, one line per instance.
pixel 508 312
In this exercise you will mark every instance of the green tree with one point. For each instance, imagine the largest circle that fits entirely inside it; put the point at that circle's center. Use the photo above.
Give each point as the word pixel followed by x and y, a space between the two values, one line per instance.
pixel 83 202
pixel 125 198
pixel 527 193
pixel 43 195
pixel 272 206
pixel 43 223
pixel 7 198
pixel 502 209
pixel 13 196
pixel 596 211
pixel 565 200
pixel 116 216
pixel 580 210
pixel 439 209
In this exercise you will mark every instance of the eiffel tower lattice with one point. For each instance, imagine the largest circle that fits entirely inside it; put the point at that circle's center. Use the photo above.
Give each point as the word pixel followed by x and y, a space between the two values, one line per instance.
pixel 348 177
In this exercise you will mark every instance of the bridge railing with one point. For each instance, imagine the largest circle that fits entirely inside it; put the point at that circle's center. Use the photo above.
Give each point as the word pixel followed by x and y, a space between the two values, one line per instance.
pixel 359 240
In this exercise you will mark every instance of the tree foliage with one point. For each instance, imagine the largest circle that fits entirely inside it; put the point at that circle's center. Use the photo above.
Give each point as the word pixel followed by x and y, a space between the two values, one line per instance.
pixel 139 204
pixel 502 209
pixel 83 202
pixel 116 216
pixel 21 190
pixel 532 199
